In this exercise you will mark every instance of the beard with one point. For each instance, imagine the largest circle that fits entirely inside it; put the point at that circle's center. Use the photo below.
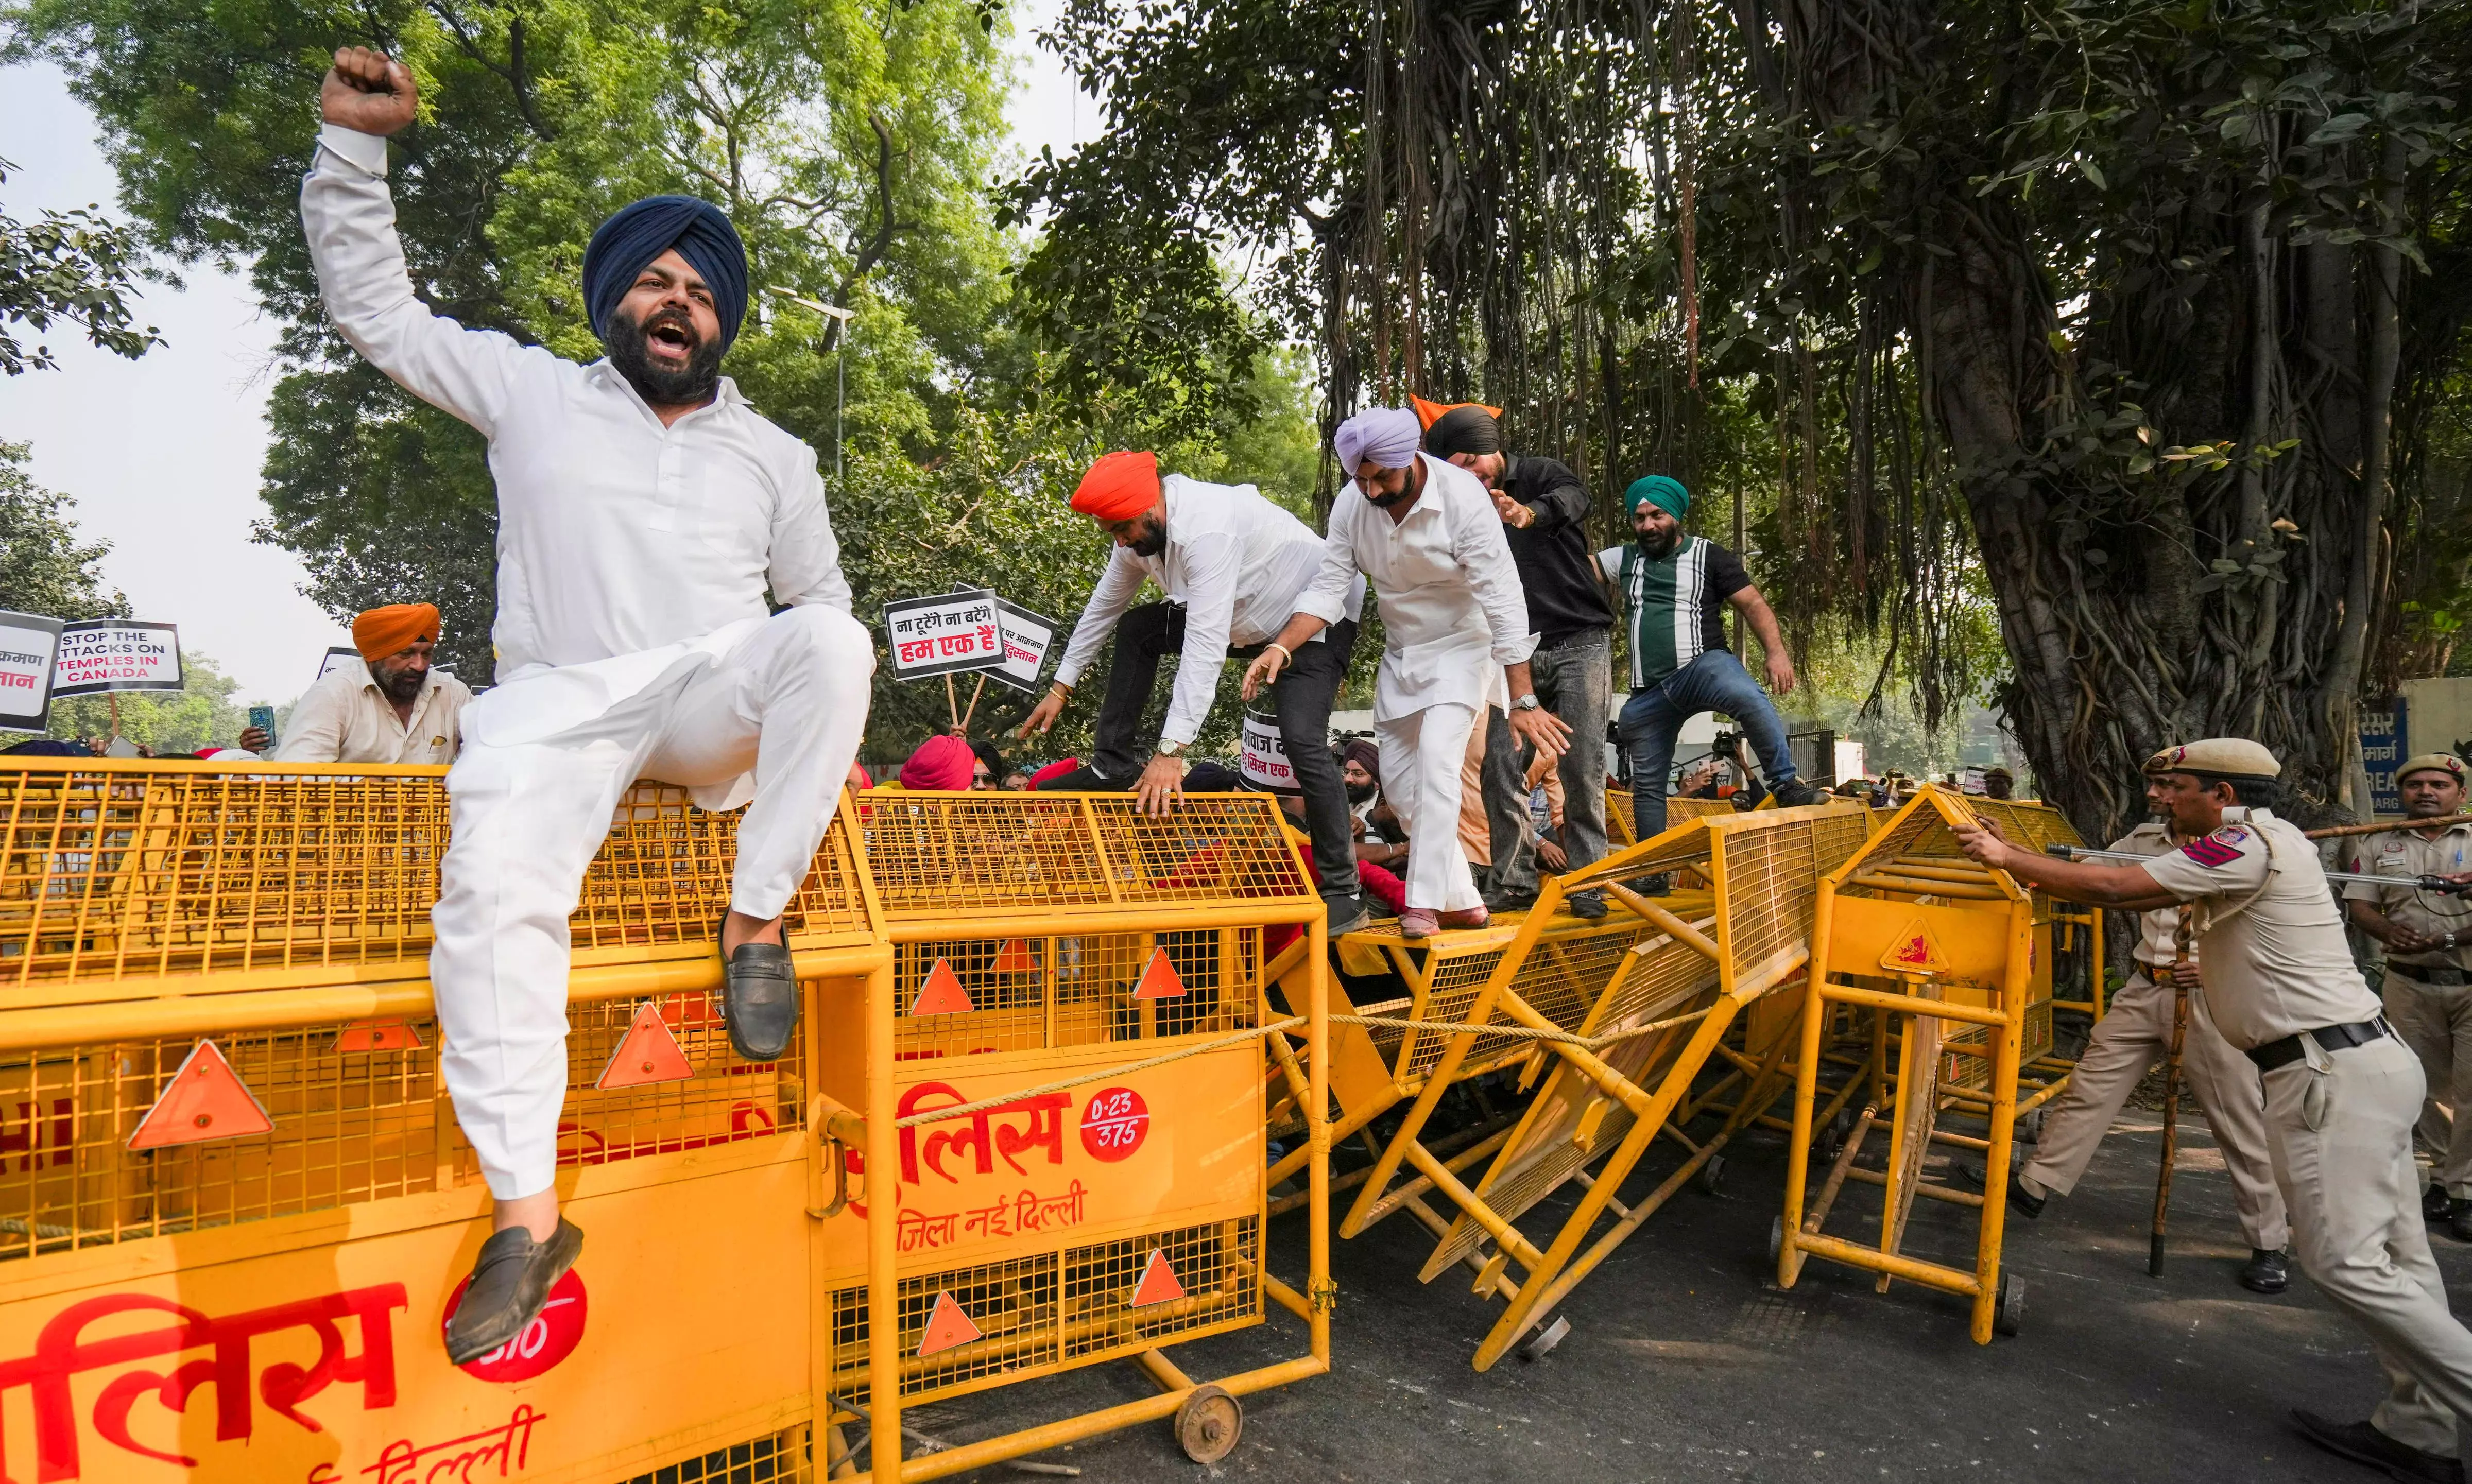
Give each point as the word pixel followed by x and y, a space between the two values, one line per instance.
pixel 1151 541
pixel 1358 792
pixel 663 385
pixel 399 686
pixel 1657 546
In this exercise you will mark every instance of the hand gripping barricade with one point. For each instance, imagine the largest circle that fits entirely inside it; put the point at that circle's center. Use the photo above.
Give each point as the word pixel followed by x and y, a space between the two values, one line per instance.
pixel 1617 1018
pixel 1047 1117
pixel 1913 938
pixel 2065 934
pixel 235 1207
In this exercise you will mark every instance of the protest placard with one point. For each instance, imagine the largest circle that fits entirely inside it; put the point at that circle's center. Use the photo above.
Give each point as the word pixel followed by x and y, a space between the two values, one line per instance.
pixel 944 634
pixel 1265 764
pixel 116 655
pixel 27 642
pixel 1027 638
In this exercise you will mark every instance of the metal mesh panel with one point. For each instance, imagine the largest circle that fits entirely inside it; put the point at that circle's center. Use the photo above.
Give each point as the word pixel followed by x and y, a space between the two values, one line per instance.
pixel 1040 993
pixel 1966 1050
pixel 776 1458
pixel 127 874
pixel 1771 884
pixel 1457 978
pixel 1566 975
pixel 946 855
pixel 1217 1265
pixel 724 1101
pixel 1011 1302
pixel 2031 825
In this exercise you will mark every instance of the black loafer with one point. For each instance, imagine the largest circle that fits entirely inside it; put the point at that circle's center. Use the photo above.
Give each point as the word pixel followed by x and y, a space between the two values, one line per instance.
pixel 759 1000
pixel 2023 1202
pixel 2436 1208
pixel 1586 904
pixel 2364 1444
pixel 509 1284
pixel 2458 1220
pixel 2266 1272
pixel 1795 795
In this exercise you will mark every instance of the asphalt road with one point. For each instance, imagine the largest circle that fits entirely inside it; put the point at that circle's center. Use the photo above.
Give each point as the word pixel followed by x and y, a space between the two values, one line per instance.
pixel 1686 1362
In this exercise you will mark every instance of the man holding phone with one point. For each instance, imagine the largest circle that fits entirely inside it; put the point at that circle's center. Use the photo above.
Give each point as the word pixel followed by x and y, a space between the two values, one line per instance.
pixel 394 708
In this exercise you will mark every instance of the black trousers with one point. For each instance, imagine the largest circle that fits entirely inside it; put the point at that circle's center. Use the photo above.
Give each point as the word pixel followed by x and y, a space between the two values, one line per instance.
pixel 1303 697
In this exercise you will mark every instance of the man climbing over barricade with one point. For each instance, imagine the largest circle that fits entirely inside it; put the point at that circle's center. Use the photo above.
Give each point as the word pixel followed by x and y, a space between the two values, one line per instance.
pixel 1544 512
pixel 645 512
pixel 2135 1033
pixel 1671 589
pixel 2428 989
pixel 2342 1092
pixel 1454 620
pixel 1231 565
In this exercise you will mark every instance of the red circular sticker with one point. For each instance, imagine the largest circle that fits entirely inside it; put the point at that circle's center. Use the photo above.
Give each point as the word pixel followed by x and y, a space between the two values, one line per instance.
pixel 1113 1124
pixel 550 1339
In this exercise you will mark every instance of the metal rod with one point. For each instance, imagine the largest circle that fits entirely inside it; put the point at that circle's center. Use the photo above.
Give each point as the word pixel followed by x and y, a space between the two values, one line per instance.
pixel 2424 883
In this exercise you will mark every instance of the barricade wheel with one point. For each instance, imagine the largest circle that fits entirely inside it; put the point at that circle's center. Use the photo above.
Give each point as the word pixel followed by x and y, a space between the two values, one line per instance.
pixel 2009 1312
pixel 2029 1125
pixel 1776 1237
pixel 1712 1175
pixel 1541 1343
pixel 1208 1425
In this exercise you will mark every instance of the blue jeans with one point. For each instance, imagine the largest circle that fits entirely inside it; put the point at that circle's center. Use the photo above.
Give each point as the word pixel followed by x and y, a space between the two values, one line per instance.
pixel 1652 719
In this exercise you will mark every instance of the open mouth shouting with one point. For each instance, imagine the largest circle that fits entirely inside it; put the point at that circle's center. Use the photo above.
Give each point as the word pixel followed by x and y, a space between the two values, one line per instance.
pixel 670 340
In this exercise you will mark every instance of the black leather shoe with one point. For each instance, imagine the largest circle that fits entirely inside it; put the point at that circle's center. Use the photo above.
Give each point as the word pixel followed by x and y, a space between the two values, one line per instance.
pixel 1657 886
pixel 509 1284
pixel 759 1000
pixel 1586 904
pixel 2020 1201
pixel 2364 1444
pixel 2458 1220
pixel 2435 1205
pixel 1795 795
pixel 1347 914
pixel 2266 1272
pixel 1507 900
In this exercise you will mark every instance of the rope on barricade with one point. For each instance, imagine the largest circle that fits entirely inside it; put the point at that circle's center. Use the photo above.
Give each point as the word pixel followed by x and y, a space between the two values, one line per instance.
pixel 989 1104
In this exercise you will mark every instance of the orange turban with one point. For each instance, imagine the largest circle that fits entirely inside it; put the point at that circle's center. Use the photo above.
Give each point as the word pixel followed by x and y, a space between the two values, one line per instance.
pixel 1427 412
pixel 1119 486
pixel 393 629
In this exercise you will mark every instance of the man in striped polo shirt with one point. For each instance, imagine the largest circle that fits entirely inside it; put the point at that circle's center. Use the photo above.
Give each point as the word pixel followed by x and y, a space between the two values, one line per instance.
pixel 1672 590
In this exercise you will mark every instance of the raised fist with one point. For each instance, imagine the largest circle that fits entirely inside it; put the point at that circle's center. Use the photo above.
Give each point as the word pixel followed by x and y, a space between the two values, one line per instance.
pixel 368 91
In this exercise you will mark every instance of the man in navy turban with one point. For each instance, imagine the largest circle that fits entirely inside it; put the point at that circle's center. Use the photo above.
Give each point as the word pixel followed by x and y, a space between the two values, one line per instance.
pixel 665 288
pixel 650 523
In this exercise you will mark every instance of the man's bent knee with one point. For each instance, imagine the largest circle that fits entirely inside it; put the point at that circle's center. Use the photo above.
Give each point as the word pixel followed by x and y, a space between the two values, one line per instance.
pixel 814 633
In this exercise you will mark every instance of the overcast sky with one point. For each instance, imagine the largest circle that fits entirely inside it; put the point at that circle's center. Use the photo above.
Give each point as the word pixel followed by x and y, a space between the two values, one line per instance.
pixel 162 454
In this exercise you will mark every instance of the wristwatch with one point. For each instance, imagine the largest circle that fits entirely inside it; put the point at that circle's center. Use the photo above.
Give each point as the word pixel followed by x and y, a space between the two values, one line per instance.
pixel 1528 702
pixel 1170 749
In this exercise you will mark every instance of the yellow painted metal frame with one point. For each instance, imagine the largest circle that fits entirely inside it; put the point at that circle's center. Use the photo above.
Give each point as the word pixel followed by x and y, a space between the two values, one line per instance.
pixel 1980 928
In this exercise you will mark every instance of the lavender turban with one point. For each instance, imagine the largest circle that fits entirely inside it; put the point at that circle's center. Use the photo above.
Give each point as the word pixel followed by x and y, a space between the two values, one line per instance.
pixel 1385 436
pixel 635 235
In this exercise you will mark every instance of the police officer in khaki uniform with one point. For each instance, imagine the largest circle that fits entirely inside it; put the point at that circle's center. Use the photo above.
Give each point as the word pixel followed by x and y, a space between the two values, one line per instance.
pixel 2428 991
pixel 2342 1091
pixel 2135 1033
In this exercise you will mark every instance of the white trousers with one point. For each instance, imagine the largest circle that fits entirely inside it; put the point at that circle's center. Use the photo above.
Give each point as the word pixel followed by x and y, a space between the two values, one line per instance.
pixel 2436 1020
pixel 2135 1033
pixel 2341 1141
pixel 1421 753
pixel 788 703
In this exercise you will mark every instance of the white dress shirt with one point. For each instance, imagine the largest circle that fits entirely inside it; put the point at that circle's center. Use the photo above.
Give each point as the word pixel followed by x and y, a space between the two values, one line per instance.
pixel 1234 560
pixel 1452 606
pixel 627 550
pixel 344 718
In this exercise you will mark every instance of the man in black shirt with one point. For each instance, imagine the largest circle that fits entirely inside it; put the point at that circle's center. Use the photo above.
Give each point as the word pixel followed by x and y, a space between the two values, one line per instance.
pixel 1544 510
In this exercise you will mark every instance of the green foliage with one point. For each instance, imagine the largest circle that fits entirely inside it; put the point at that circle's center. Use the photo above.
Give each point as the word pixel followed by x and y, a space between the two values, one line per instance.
pixel 201 714
pixel 75 267
pixel 44 567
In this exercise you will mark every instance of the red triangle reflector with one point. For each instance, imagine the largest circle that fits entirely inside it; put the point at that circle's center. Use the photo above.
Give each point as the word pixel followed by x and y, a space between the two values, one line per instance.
pixel 942 994
pixel 376 1036
pixel 647 1054
pixel 1015 958
pixel 1158 1285
pixel 1159 980
pixel 205 1099
pixel 947 1328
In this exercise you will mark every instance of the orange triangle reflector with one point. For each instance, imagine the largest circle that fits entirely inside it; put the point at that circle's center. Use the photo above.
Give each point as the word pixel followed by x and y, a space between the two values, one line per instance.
pixel 1158 1285
pixel 376 1036
pixel 947 1328
pixel 647 1054
pixel 1159 980
pixel 1015 958
pixel 205 1099
pixel 942 994
pixel 1914 950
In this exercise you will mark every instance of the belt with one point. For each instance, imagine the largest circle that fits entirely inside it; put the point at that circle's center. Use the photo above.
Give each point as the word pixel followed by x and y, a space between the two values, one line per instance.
pixel 2429 974
pixel 2333 1038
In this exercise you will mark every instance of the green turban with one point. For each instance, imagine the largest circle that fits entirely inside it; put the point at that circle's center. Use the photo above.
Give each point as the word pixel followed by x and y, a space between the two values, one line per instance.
pixel 1666 493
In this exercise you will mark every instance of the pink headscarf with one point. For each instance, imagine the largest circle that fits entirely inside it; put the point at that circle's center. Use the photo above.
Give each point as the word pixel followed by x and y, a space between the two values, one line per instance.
pixel 941 765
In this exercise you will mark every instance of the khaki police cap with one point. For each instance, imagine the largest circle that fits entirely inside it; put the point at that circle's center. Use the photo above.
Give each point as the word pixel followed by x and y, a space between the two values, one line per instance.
pixel 2216 757
pixel 2445 763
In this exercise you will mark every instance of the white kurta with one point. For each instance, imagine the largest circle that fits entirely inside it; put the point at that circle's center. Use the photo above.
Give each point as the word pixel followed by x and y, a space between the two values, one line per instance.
pixel 1453 613
pixel 639 565
pixel 1234 560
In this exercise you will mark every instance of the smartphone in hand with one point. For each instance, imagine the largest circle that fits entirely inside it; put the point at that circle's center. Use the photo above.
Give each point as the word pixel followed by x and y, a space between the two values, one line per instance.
pixel 262 718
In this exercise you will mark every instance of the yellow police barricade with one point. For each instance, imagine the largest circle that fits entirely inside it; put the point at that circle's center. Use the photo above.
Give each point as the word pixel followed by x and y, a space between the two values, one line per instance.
pixel 2042 1074
pixel 1909 928
pixel 234 1200
pixel 1048 1120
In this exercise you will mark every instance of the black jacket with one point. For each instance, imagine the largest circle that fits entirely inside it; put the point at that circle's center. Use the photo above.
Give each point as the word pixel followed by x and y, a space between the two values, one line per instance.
pixel 1563 597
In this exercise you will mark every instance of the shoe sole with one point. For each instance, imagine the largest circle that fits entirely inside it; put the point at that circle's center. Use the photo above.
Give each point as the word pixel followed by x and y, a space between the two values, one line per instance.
pixel 471 1349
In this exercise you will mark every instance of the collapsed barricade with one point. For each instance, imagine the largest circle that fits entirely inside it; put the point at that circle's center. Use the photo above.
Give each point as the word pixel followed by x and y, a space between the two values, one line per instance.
pixel 233 1164
pixel 1612 1020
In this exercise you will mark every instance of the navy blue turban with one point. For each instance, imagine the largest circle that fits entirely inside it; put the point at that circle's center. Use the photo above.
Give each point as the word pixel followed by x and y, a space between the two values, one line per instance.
pixel 639 233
